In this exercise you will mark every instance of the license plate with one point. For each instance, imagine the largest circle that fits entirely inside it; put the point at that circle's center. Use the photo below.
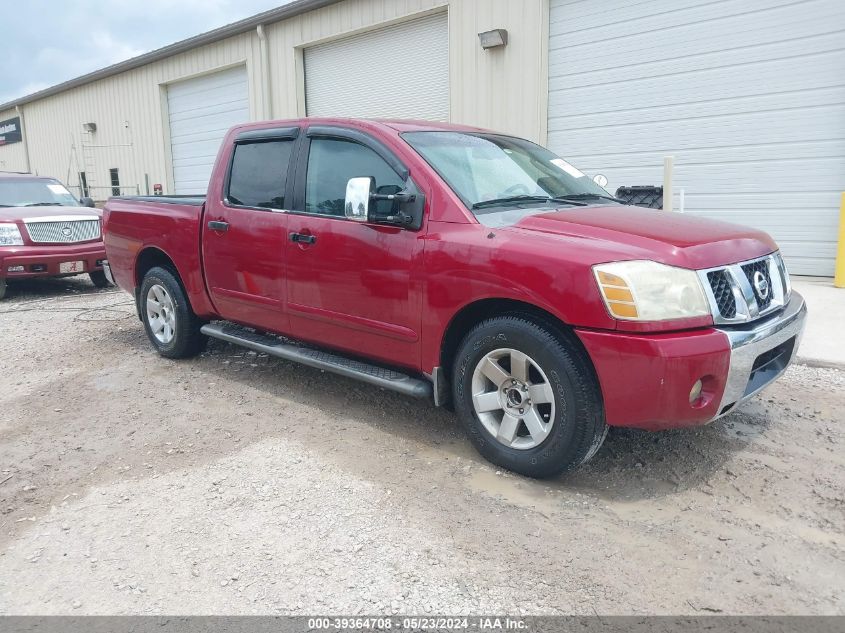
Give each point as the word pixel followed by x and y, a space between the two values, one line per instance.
pixel 72 267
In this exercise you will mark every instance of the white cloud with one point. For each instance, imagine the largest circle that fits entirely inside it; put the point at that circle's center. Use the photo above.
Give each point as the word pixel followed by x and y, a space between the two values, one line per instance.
pixel 47 42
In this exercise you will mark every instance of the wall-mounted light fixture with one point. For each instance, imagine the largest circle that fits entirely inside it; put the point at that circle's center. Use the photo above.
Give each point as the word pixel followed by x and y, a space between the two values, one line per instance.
pixel 89 127
pixel 494 38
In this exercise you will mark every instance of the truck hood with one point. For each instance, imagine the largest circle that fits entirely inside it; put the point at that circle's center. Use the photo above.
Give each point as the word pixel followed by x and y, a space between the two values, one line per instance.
pixel 19 214
pixel 614 233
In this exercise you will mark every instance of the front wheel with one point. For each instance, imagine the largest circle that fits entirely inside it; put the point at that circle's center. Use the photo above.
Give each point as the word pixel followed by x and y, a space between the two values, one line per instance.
pixel 2 289
pixel 98 278
pixel 527 397
pixel 170 323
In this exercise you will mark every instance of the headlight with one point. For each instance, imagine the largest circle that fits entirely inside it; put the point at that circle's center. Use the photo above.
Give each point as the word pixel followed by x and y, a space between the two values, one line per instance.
pixel 648 291
pixel 10 235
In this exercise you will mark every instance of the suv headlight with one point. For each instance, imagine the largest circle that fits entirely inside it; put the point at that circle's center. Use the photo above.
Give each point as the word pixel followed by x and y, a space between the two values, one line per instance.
pixel 648 291
pixel 10 235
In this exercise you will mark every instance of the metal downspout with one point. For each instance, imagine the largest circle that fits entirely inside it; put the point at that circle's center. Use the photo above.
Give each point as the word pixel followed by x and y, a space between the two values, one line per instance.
pixel 266 86
pixel 25 138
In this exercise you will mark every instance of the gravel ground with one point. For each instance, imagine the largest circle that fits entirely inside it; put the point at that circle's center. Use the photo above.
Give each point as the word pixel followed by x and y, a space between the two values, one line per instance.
pixel 237 484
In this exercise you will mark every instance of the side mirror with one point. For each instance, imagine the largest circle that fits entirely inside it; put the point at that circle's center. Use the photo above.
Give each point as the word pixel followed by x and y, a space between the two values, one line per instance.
pixel 87 202
pixel 358 194
pixel 362 198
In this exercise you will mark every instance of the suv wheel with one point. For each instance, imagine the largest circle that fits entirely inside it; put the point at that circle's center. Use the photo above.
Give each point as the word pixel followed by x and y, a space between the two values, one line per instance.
pixel 171 325
pixel 528 397
pixel 98 278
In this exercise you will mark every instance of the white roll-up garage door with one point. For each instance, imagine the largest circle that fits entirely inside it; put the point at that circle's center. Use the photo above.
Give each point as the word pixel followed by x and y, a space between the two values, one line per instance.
pixel 748 95
pixel 201 110
pixel 400 71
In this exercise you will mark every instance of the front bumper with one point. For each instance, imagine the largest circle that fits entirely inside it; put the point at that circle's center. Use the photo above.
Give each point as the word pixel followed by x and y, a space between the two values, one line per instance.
pixel 646 380
pixel 23 262
pixel 762 352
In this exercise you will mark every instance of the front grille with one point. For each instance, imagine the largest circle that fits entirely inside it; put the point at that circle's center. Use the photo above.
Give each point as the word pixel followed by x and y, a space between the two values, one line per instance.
pixel 723 293
pixel 58 232
pixel 743 292
pixel 764 292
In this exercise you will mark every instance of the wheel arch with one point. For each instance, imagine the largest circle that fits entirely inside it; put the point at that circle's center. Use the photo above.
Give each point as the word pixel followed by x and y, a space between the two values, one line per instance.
pixel 148 258
pixel 477 311
pixel 152 257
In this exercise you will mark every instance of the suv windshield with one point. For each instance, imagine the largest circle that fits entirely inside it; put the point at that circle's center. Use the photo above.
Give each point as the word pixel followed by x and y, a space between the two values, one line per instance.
pixel 489 171
pixel 30 192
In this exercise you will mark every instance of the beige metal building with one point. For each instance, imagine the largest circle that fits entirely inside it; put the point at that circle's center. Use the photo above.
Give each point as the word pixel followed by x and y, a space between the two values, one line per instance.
pixel 158 118
pixel 748 96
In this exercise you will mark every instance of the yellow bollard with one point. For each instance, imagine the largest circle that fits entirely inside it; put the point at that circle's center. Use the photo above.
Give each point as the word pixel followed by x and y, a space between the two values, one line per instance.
pixel 839 276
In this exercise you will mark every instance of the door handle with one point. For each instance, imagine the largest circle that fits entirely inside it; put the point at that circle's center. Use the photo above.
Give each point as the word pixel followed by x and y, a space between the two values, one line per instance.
pixel 215 225
pixel 303 239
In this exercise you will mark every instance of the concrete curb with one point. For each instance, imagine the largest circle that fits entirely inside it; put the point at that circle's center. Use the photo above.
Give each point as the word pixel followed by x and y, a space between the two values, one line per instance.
pixel 820 364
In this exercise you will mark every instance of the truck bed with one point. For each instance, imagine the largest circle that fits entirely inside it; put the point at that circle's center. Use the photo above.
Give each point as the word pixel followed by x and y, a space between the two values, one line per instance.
pixel 193 201
pixel 142 229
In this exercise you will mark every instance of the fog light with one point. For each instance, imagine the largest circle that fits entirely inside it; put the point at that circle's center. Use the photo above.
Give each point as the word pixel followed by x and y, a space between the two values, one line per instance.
pixel 695 392
pixel 16 269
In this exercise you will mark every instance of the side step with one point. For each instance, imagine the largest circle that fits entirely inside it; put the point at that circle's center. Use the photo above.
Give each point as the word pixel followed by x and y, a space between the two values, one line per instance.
pixel 319 359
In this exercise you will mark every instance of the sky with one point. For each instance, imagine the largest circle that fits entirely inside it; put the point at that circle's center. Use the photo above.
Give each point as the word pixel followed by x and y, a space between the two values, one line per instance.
pixel 46 42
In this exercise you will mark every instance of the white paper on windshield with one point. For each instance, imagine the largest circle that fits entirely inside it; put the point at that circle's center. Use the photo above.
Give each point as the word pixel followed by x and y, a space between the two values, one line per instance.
pixel 58 189
pixel 569 169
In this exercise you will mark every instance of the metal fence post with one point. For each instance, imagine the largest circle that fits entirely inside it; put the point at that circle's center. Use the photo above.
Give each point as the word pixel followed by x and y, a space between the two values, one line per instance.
pixel 668 162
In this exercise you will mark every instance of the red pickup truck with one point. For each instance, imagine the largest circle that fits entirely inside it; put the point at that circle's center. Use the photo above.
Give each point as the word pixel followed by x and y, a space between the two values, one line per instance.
pixel 46 232
pixel 474 268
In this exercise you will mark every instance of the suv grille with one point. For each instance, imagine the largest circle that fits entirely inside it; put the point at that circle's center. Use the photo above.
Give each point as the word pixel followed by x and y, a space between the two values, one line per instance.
pixel 748 290
pixel 63 232
pixel 723 293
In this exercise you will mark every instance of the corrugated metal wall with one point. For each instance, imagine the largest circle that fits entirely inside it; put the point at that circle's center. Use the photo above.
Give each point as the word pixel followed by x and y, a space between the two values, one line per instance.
pixel 130 113
pixel 748 95
pixel 501 89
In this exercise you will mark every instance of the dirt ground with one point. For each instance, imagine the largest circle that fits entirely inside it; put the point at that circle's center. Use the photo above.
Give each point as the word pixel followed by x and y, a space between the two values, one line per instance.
pixel 239 484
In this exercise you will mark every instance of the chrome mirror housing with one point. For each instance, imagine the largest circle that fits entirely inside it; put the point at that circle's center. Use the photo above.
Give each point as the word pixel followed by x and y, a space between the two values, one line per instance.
pixel 358 195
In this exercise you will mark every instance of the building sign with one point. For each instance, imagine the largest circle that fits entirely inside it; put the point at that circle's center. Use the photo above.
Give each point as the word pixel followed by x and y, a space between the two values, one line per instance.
pixel 10 131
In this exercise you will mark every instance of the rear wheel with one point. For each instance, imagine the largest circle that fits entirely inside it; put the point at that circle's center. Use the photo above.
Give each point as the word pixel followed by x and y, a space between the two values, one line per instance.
pixel 98 278
pixel 171 325
pixel 528 397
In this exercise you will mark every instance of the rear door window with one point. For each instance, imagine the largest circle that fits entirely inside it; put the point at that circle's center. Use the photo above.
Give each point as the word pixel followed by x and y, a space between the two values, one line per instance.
pixel 259 174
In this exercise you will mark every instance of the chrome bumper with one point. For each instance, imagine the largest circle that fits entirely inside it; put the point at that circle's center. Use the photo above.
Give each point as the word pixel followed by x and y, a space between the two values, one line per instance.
pixel 107 271
pixel 761 352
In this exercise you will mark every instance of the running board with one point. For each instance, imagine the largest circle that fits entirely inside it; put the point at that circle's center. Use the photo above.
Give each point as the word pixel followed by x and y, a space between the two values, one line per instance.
pixel 319 359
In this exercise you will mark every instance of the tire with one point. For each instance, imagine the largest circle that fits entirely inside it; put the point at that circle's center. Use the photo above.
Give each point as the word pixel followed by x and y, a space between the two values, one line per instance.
pixel 98 278
pixel 2 289
pixel 562 427
pixel 170 323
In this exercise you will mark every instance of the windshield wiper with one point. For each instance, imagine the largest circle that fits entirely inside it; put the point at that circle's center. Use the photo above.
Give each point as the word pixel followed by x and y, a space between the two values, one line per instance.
pixel 516 199
pixel 43 204
pixel 588 196
pixel 509 199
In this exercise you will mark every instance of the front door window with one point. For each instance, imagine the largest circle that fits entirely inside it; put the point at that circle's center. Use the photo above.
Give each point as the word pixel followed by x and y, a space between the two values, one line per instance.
pixel 332 163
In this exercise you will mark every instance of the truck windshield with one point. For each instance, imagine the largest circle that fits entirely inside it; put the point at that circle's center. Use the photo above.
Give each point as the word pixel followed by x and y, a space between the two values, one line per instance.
pixel 490 171
pixel 30 192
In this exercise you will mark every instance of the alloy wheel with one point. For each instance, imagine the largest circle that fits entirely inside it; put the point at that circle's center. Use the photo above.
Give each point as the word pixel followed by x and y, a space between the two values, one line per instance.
pixel 513 398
